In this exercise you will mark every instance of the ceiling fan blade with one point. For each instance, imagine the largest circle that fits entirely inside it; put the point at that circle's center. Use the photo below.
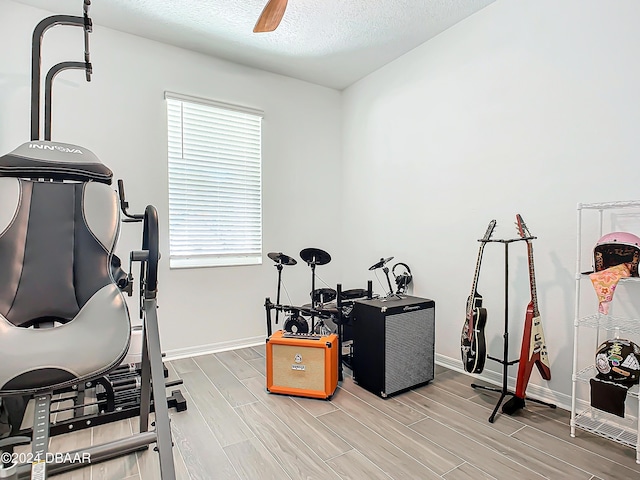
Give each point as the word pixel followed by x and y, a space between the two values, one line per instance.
pixel 271 16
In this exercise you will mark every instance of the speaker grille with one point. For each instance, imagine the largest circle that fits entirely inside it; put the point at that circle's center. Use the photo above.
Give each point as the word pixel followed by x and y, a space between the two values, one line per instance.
pixel 409 349
pixel 298 367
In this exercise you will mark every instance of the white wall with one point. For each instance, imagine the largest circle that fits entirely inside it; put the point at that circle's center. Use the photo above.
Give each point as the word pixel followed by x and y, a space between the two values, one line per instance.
pixel 525 107
pixel 121 116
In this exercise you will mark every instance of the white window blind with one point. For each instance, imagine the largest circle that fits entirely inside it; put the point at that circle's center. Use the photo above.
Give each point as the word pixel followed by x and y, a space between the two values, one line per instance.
pixel 215 192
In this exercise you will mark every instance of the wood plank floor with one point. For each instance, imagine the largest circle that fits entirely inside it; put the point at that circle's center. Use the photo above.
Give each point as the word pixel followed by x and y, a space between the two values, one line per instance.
pixel 234 429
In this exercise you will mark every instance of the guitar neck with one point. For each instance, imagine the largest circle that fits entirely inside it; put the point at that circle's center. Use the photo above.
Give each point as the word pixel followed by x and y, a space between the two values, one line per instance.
pixel 474 286
pixel 532 280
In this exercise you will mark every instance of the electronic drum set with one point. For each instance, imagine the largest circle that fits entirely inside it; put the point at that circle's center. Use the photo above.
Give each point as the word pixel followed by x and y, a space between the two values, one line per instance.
pixel 332 308
pixel 324 301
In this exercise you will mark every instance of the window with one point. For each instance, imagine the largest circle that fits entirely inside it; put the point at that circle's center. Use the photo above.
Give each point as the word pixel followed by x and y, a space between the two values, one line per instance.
pixel 215 192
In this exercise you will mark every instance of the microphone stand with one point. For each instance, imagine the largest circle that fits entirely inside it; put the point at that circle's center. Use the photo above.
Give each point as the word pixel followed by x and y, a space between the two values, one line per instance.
pixel 390 294
pixel 386 272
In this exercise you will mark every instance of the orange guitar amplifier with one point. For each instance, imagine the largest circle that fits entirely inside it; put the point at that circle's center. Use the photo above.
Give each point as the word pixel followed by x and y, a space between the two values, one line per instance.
pixel 302 365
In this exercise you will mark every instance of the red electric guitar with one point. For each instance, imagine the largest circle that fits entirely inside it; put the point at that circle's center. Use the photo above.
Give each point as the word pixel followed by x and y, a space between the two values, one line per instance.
pixel 472 346
pixel 533 350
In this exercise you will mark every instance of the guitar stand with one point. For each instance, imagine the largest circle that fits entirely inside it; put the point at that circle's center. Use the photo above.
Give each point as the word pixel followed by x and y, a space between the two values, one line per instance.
pixel 504 361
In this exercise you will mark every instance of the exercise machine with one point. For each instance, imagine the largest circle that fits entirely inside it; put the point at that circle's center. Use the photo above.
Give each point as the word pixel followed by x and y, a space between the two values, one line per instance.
pixel 63 316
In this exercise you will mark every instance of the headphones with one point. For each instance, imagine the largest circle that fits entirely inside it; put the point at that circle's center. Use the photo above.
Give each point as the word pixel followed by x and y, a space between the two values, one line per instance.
pixel 403 279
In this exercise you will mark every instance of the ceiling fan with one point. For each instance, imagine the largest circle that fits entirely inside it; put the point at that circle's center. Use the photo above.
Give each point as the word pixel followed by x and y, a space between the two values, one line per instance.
pixel 271 16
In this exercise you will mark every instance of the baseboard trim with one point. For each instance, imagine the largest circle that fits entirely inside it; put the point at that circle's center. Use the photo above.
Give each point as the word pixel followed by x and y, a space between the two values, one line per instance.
pixel 538 392
pixel 213 348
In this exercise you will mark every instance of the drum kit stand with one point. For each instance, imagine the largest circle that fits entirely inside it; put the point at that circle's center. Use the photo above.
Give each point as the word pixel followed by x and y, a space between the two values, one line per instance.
pixel 322 306
pixel 281 259
pixel 296 323
pixel 313 257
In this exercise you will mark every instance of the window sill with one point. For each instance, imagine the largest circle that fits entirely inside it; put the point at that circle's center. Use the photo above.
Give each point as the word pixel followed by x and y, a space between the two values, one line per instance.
pixel 205 262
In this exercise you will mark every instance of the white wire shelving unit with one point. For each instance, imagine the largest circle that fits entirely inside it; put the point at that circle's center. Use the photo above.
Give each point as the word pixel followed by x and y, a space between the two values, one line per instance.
pixel 623 430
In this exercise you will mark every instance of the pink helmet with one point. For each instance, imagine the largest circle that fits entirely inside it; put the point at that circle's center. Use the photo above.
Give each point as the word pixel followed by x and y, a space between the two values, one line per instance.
pixel 615 248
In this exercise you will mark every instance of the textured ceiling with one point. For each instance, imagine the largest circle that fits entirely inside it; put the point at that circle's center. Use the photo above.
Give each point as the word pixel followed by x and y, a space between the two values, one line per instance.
pixel 328 42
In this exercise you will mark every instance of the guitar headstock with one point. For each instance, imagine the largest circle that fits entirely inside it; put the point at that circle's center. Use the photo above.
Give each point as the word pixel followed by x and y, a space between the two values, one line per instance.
pixel 523 231
pixel 489 232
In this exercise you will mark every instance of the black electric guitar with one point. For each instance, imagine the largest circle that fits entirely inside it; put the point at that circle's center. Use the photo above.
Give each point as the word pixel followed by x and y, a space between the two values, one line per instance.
pixel 533 350
pixel 473 348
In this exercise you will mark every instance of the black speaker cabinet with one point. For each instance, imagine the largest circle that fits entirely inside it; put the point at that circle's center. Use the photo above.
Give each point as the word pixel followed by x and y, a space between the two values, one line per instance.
pixel 393 343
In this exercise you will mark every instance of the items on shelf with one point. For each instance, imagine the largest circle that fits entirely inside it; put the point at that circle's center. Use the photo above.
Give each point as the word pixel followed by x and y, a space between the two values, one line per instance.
pixel 616 248
pixel 615 256
pixel 605 283
pixel 608 397
pixel 618 369
pixel 617 361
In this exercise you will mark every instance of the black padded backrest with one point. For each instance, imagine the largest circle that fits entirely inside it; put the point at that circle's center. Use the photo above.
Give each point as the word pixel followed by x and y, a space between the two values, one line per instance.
pixel 53 257
pixel 59 223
